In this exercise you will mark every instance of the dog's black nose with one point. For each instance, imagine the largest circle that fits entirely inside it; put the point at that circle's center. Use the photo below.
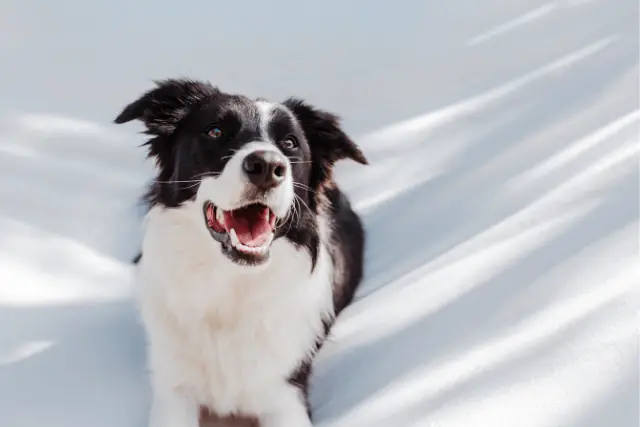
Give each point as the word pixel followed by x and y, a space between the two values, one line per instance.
pixel 265 169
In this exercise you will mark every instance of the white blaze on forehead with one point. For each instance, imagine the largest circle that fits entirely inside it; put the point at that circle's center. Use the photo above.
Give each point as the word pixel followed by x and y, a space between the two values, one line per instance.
pixel 265 109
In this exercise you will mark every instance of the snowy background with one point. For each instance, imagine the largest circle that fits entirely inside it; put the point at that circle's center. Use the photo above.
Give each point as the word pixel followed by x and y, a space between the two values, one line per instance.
pixel 501 202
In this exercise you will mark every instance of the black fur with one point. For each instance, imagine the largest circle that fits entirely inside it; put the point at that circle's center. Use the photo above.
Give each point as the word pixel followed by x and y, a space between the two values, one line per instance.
pixel 328 142
pixel 177 114
pixel 300 379
pixel 348 244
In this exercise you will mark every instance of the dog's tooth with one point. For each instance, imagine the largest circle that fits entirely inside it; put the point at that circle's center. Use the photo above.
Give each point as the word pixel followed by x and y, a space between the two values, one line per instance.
pixel 266 244
pixel 220 215
pixel 234 238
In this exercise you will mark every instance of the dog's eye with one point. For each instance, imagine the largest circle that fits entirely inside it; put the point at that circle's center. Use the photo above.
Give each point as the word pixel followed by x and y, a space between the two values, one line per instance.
pixel 214 132
pixel 289 143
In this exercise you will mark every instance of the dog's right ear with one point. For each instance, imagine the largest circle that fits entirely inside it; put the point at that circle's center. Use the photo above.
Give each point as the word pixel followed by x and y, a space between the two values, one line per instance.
pixel 162 108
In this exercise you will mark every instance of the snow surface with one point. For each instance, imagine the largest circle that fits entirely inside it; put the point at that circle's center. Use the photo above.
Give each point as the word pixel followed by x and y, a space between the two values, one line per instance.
pixel 501 202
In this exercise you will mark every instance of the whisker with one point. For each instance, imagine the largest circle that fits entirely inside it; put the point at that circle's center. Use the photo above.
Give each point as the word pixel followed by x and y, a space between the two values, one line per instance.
pixel 192 185
pixel 206 174
pixel 177 181
pixel 196 183
pixel 307 206
pixel 233 151
pixel 300 185
pixel 299 212
pixel 290 215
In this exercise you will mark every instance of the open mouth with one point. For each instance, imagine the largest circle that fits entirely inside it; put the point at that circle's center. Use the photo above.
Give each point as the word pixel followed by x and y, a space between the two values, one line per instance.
pixel 246 233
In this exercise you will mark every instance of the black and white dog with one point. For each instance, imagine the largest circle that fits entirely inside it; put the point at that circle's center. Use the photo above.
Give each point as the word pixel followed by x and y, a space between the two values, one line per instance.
pixel 250 251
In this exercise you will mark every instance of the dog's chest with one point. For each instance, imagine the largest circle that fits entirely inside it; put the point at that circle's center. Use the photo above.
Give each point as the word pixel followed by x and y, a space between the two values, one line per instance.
pixel 225 337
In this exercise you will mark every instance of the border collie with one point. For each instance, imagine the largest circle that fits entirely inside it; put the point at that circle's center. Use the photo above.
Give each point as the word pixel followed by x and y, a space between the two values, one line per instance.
pixel 250 251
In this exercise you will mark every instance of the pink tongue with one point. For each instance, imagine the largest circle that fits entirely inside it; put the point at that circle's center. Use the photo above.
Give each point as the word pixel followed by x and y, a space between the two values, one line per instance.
pixel 250 223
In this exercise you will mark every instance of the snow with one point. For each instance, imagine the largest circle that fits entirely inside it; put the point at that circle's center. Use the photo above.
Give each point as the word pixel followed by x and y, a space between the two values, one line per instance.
pixel 501 201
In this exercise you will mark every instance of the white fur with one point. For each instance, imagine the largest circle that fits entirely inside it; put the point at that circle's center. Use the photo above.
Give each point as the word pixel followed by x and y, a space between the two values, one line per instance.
pixel 223 335
pixel 265 108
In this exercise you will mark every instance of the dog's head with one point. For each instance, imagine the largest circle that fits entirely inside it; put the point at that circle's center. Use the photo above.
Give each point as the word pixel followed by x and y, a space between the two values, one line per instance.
pixel 250 164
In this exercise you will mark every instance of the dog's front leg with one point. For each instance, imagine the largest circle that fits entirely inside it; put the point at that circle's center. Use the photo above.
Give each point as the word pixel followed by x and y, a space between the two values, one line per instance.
pixel 289 410
pixel 170 409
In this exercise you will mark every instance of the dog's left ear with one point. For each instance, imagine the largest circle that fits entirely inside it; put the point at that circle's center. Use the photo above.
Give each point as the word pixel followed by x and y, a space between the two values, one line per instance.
pixel 163 107
pixel 326 139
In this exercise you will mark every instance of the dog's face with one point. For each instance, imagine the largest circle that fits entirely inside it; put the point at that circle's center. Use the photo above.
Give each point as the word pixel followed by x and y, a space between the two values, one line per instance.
pixel 256 168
